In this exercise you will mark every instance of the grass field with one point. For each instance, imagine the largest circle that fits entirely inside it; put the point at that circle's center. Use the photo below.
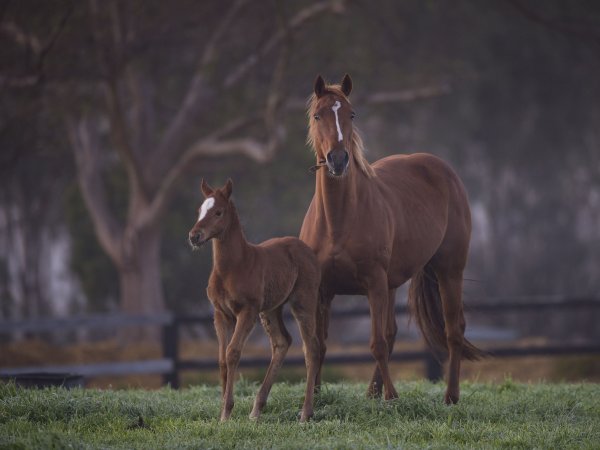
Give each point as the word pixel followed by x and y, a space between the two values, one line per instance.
pixel 505 415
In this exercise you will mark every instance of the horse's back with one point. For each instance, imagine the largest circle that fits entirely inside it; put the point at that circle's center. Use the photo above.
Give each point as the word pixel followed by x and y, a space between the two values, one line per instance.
pixel 426 195
pixel 419 173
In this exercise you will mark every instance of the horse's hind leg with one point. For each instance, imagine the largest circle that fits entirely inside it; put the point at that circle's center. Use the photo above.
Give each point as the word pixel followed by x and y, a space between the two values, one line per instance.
pixel 391 329
pixel 272 322
pixel 304 308
pixel 450 285
pixel 378 304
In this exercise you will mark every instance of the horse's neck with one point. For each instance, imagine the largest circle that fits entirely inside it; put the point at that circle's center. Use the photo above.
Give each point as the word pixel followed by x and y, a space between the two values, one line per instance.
pixel 337 199
pixel 231 247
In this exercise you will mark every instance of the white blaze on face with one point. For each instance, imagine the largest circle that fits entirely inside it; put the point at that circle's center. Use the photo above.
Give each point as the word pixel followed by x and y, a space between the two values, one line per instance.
pixel 208 203
pixel 335 108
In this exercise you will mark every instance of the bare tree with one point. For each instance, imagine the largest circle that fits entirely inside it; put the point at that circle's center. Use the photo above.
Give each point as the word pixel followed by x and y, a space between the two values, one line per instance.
pixel 153 168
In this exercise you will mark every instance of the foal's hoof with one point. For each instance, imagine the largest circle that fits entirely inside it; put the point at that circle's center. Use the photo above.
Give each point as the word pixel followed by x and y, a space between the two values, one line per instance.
pixel 451 398
pixel 254 415
pixel 374 391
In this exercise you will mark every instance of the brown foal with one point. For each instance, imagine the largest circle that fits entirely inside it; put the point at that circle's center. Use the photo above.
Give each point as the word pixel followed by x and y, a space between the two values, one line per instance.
pixel 251 281
pixel 373 227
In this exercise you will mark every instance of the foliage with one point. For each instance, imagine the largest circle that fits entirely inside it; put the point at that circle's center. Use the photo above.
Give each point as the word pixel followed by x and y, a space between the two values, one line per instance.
pixel 488 416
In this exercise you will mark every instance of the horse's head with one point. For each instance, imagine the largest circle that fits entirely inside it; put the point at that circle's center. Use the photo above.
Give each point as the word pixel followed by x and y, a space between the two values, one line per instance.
pixel 214 216
pixel 331 130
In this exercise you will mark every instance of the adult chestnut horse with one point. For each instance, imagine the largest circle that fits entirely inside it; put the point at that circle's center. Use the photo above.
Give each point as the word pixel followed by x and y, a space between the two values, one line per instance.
pixel 373 227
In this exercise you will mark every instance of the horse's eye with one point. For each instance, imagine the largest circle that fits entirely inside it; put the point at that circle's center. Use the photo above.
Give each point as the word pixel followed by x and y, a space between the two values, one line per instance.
pixel 317 117
pixel 219 213
pixel 352 115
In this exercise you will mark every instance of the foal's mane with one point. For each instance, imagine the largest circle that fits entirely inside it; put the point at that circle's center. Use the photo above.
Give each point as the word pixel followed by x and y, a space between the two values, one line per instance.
pixel 357 147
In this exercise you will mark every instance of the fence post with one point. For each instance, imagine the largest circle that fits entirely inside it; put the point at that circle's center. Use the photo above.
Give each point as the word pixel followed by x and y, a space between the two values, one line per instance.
pixel 170 343
pixel 433 368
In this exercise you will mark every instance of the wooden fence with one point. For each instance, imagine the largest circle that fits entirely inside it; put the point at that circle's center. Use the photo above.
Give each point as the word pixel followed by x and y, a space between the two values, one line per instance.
pixel 171 364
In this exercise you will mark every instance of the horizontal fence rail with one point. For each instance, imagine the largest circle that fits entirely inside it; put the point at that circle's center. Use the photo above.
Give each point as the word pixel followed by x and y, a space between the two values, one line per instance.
pixel 171 365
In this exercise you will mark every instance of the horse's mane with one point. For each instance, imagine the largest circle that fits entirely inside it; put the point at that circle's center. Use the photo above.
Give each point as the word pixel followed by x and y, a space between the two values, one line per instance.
pixel 356 148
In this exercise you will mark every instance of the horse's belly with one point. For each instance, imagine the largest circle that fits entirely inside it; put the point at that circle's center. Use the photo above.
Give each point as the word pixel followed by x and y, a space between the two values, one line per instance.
pixel 340 275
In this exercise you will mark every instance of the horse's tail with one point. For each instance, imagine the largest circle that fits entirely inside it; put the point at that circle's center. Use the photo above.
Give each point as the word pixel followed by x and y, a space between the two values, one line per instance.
pixel 425 304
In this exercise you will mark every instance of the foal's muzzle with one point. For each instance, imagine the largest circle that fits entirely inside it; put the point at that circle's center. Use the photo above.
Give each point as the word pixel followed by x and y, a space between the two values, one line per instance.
pixel 337 162
pixel 196 238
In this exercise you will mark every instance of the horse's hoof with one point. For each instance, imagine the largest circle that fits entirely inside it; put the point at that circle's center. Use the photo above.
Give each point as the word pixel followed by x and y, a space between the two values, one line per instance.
pixel 305 417
pixel 391 396
pixel 254 415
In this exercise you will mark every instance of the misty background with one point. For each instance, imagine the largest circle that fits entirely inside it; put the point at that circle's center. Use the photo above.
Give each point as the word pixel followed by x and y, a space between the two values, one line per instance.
pixel 112 112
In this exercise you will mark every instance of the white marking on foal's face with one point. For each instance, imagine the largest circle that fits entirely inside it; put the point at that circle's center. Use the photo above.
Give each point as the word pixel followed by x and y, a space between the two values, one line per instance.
pixel 208 203
pixel 337 105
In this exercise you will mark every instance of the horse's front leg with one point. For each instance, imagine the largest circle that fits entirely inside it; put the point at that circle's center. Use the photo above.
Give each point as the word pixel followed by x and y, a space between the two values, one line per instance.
pixel 244 324
pixel 322 322
pixel 378 295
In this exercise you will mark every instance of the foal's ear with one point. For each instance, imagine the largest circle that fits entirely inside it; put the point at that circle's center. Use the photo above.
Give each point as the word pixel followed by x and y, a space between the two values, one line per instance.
pixel 206 189
pixel 319 86
pixel 346 85
pixel 228 188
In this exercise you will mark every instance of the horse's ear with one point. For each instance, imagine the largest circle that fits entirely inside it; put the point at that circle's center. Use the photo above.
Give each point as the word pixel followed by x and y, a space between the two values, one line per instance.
pixel 228 188
pixel 346 85
pixel 319 86
pixel 206 189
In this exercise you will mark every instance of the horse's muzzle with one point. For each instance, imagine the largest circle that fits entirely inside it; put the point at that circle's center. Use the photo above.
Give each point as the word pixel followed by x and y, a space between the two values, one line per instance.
pixel 337 162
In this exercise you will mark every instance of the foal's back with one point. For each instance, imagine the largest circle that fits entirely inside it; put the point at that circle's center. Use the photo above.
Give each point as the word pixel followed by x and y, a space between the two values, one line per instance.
pixel 287 264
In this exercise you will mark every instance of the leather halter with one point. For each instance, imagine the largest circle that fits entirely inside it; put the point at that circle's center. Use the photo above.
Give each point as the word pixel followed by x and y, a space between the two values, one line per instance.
pixel 316 167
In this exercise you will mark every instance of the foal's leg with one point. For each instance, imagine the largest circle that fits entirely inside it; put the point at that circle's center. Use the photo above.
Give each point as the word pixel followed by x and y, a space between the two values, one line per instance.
pixel 391 329
pixel 223 327
pixel 378 304
pixel 244 324
pixel 304 309
pixel 450 285
pixel 272 322
pixel 323 313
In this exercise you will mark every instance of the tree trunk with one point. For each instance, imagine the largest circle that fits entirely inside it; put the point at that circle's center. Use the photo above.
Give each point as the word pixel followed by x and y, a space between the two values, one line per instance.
pixel 140 280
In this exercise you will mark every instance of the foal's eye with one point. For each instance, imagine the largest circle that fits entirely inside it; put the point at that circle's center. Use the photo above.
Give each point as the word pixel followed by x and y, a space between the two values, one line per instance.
pixel 352 115
pixel 317 117
pixel 219 213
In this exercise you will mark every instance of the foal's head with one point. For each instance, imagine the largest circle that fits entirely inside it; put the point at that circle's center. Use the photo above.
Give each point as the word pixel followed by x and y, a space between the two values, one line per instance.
pixel 215 214
pixel 331 131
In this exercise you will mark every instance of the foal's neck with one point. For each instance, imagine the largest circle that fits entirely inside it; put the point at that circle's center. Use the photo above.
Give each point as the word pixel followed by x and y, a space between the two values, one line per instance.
pixel 231 247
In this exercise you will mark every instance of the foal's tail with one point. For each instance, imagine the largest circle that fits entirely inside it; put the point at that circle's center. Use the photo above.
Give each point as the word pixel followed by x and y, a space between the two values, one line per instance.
pixel 425 304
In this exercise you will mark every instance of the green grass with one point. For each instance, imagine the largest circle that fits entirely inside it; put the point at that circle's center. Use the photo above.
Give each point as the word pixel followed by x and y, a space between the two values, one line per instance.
pixel 507 415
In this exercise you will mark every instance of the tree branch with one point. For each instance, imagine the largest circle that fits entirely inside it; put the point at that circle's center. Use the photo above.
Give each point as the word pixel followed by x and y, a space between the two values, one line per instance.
pixel 170 145
pixel 382 97
pixel 120 137
pixel 299 19
pixel 86 153
pixel 207 147
pixel 576 30
pixel 39 51
pixel 197 88
pixel 119 131
pixel 20 37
